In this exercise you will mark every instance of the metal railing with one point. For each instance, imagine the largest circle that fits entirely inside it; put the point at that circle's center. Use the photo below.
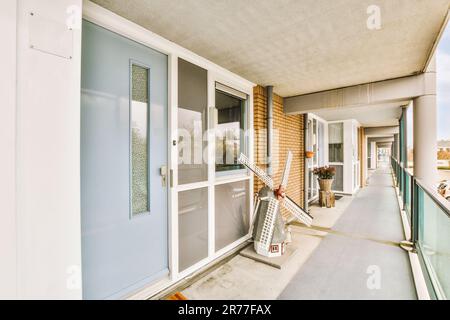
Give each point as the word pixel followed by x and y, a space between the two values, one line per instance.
pixel 429 218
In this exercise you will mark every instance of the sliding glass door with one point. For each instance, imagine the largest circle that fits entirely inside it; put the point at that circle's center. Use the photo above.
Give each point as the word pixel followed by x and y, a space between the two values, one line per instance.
pixel 213 188
pixel 193 199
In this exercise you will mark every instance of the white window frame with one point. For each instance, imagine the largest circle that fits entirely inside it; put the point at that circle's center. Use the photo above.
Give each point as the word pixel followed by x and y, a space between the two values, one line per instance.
pixel 115 23
pixel 219 86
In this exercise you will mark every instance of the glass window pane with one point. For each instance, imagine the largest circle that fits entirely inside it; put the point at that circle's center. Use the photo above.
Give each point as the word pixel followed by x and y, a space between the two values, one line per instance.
pixel 434 241
pixel 192 227
pixel 192 122
pixel 139 141
pixel 336 142
pixel 230 131
pixel 321 138
pixel 231 212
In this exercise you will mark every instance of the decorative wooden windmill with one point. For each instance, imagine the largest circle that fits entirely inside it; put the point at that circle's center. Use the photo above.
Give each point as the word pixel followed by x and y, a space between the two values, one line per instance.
pixel 268 226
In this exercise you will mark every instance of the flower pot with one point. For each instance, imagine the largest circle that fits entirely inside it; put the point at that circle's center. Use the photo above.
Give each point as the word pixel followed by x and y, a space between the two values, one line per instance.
pixel 309 154
pixel 325 184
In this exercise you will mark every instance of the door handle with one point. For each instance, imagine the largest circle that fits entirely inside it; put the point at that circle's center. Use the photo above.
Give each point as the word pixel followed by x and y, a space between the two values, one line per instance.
pixel 163 173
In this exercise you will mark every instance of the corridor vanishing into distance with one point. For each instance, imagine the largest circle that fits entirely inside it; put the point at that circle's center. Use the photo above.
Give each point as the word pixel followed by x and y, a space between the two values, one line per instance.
pixel 360 257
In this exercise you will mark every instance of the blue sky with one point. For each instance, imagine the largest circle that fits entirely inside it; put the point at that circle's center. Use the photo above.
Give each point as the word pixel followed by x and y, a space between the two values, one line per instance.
pixel 443 85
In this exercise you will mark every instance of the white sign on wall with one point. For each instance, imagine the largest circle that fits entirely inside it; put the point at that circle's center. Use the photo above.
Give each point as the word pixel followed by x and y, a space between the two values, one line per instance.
pixel 50 36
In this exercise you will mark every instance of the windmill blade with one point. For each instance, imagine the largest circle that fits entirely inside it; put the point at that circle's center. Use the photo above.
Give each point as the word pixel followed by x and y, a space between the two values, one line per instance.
pixel 261 174
pixel 287 168
pixel 297 211
pixel 268 226
pixel 257 202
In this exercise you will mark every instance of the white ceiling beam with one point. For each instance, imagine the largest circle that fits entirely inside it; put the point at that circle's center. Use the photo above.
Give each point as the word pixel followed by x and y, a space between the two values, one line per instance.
pixel 382 139
pixel 376 93
pixel 381 131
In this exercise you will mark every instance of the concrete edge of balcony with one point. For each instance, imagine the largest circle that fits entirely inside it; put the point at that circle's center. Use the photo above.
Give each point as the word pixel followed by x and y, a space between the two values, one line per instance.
pixel 416 267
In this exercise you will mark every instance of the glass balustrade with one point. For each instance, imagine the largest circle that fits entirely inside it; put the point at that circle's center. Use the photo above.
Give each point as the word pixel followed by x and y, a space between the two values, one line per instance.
pixel 434 240
pixel 429 218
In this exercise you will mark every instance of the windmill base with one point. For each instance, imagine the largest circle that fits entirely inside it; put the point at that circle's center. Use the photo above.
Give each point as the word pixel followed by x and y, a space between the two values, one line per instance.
pixel 275 250
pixel 276 262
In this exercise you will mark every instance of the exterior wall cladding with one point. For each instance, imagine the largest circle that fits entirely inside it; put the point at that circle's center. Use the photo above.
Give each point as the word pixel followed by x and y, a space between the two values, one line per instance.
pixel 288 135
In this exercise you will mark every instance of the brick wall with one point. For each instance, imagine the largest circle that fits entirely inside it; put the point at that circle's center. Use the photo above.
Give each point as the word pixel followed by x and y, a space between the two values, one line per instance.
pixel 288 135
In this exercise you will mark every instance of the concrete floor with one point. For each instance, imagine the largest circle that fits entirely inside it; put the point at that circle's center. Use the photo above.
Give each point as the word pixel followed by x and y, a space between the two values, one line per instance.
pixel 360 258
pixel 244 278
pixel 360 235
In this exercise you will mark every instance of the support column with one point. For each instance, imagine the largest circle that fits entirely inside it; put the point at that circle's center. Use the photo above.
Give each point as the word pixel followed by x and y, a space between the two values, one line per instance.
pixel 425 139
pixel 425 131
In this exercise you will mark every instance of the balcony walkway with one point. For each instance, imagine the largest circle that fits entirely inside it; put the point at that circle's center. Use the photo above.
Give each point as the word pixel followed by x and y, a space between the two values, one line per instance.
pixel 362 243
pixel 333 258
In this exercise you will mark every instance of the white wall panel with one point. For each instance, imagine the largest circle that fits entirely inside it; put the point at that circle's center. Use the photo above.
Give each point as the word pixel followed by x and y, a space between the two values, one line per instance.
pixel 48 156
pixel 8 23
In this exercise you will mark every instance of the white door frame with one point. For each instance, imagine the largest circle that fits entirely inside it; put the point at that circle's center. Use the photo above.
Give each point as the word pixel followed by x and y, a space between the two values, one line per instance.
pixel 350 136
pixel 113 22
pixel 320 162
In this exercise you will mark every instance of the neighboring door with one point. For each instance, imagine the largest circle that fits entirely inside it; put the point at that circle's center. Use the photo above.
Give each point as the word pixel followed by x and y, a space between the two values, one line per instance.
pixel 316 143
pixel 123 164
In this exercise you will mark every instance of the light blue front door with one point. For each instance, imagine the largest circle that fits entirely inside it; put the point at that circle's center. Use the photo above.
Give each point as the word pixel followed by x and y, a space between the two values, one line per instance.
pixel 123 159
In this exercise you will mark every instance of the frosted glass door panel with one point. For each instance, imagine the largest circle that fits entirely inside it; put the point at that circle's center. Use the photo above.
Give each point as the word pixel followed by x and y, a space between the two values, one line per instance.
pixel 139 139
pixel 232 212
pixel 192 227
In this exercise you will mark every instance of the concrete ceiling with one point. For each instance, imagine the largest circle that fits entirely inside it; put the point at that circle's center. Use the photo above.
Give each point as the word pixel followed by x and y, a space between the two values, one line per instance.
pixel 383 115
pixel 297 46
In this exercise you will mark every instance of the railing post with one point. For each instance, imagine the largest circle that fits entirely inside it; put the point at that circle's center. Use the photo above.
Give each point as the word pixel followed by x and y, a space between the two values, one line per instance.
pixel 415 213
pixel 400 172
pixel 396 172
pixel 404 177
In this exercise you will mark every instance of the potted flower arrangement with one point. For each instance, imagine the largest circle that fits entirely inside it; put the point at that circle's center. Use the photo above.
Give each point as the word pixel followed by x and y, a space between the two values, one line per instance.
pixel 325 176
